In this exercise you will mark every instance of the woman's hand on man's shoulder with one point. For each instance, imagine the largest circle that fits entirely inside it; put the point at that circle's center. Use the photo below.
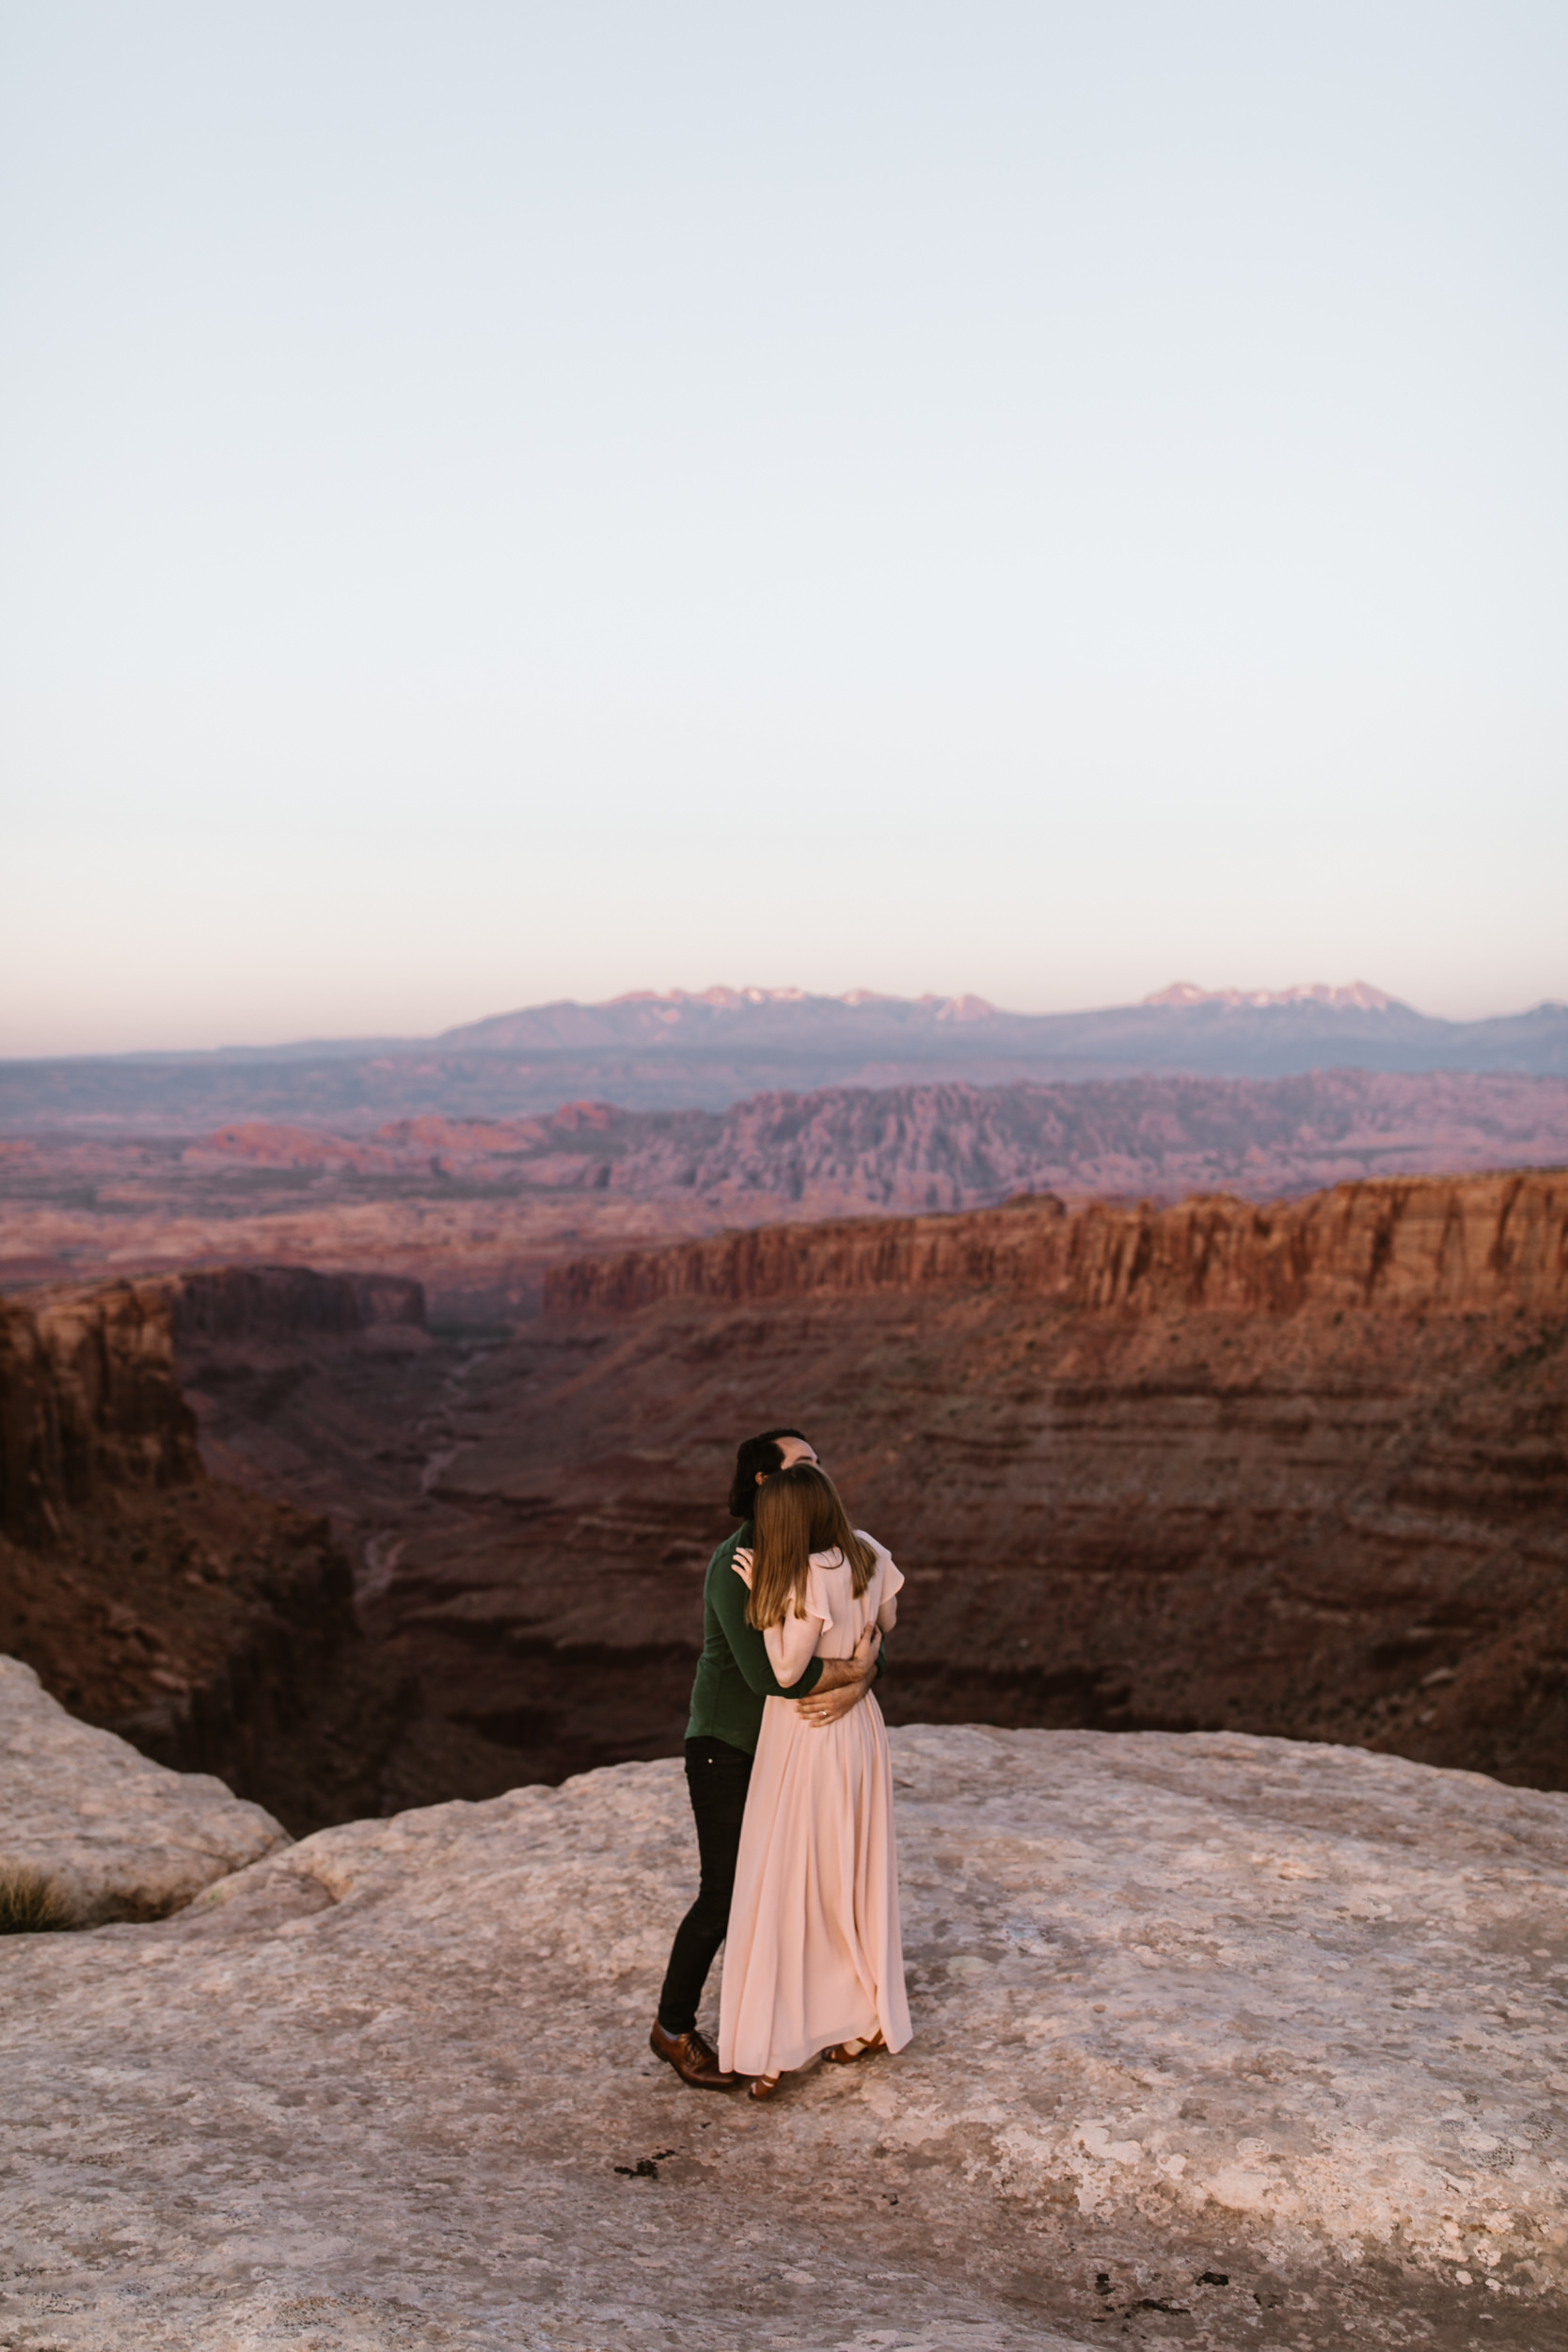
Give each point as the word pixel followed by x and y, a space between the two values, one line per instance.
pixel 740 1562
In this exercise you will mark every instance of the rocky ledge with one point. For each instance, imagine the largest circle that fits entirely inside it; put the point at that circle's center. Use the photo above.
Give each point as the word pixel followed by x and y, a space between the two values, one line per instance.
pixel 1219 2040
pixel 115 1836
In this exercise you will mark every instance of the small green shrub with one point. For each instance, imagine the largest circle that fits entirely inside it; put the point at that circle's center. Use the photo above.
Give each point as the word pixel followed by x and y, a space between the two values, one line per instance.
pixel 30 1903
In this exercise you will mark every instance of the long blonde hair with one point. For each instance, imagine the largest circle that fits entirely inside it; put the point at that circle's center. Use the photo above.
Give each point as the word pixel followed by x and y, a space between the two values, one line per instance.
pixel 797 1512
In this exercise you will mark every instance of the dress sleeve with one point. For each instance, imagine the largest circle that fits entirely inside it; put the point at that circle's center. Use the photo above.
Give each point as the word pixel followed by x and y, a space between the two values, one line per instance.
pixel 893 1575
pixel 819 1591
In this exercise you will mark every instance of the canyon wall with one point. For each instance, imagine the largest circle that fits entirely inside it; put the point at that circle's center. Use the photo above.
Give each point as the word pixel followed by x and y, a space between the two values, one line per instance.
pixel 285 1302
pixel 212 1628
pixel 89 1402
pixel 1298 1470
pixel 1420 1245
pixel 1301 1471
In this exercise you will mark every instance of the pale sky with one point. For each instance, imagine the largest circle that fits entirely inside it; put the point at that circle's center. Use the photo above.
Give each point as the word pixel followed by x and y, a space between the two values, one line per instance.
pixel 512 502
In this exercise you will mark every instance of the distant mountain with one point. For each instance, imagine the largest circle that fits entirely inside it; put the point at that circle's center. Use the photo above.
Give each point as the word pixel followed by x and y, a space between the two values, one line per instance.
pixel 786 1018
pixel 1229 1032
pixel 705 1051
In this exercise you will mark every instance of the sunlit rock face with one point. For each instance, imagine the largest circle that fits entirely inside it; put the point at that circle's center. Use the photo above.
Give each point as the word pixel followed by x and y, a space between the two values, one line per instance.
pixel 1429 1244
pixel 1218 2041
pixel 118 1837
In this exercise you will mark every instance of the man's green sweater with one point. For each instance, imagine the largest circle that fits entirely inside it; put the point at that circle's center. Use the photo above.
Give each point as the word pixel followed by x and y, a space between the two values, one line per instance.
pixel 733 1675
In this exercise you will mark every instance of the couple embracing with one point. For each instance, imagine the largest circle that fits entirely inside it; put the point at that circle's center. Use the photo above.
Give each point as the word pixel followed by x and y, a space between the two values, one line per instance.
pixel 787 1761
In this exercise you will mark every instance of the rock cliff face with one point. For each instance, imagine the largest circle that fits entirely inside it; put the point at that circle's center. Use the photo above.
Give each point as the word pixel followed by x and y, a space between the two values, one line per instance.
pixel 215 1629
pixel 1218 2041
pixel 89 1402
pixel 253 1304
pixel 1485 1245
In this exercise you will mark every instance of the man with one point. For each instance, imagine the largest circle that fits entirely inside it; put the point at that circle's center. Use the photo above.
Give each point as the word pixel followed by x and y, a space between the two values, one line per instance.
pixel 734 1677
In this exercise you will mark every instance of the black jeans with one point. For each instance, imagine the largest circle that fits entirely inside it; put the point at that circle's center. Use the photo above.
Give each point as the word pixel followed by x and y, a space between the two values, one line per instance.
pixel 718 1776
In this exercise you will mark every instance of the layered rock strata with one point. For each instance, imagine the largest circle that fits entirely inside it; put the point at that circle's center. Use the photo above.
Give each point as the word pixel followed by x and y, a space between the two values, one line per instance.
pixel 115 1836
pixel 1423 1246
pixel 1218 2041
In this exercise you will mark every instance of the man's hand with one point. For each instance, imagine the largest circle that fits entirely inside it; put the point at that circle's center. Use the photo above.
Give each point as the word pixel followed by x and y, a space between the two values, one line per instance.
pixel 845 1681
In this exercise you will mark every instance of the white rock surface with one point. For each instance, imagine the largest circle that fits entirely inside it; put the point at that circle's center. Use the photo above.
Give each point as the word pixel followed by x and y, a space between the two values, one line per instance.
pixel 1294 2017
pixel 121 1836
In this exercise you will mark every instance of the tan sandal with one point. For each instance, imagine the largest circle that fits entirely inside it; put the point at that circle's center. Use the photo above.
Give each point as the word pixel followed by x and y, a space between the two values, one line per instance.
pixel 764 2086
pixel 846 2053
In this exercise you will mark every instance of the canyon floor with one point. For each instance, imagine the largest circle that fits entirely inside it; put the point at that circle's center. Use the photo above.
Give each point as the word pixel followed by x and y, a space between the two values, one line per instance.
pixel 1219 2041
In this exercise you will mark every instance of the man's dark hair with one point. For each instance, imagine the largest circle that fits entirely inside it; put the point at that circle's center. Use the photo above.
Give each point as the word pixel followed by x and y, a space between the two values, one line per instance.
pixel 763 1453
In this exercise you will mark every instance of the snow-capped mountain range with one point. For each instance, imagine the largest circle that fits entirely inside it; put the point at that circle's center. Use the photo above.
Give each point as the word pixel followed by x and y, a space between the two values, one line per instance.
pixel 708 1049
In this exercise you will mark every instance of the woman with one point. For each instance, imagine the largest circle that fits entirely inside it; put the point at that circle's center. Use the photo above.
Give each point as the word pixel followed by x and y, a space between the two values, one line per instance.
pixel 812 1956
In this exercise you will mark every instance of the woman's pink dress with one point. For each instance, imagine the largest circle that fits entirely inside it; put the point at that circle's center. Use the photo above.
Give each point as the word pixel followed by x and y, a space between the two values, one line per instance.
pixel 812 1955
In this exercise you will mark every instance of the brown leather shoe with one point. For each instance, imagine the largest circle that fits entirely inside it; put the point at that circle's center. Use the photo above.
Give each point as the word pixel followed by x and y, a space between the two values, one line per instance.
pixel 692 2058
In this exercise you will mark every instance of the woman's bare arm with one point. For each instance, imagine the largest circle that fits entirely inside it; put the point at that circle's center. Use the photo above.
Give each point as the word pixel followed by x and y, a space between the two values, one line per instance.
pixel 791 1643
pixel 887 1615
pixel 791 1646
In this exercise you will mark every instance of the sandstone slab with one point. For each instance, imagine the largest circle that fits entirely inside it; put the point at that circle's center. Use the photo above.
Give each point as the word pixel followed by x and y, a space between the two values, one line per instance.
pixel 121 1836
pixel 1218 2041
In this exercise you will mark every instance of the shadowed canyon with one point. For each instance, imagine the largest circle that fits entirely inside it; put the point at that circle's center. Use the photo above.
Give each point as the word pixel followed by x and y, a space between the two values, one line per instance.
pixel 1299 1469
